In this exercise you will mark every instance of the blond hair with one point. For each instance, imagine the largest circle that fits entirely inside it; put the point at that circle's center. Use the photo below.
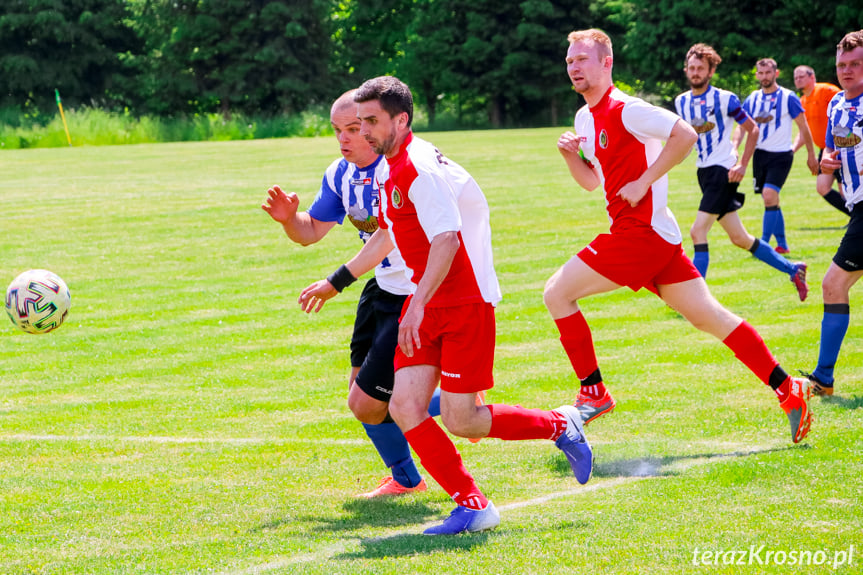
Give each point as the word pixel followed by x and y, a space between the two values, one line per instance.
pixel 596 37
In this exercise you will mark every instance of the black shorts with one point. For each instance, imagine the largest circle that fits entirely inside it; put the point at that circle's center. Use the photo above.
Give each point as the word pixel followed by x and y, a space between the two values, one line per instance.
pixel 376 335
pixel 849 256
pixel 718 195
pixel 771 168
pixel 837 174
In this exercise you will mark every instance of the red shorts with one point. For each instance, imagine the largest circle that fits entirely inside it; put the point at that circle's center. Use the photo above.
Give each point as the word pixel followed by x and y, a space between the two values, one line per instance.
pixel 460 341
pixel 638 259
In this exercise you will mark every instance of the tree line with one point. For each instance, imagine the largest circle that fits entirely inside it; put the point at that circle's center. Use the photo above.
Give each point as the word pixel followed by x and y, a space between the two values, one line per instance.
pixel 477 62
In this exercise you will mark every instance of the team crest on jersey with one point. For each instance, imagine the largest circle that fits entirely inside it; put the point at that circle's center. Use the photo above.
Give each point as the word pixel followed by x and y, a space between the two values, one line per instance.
pixel 848 141
pixel 603 139
pixel 398 201
pixel 702 126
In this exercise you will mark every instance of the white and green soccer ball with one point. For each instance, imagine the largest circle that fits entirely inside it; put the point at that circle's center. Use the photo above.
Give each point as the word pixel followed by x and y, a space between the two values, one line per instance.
pixel 38 301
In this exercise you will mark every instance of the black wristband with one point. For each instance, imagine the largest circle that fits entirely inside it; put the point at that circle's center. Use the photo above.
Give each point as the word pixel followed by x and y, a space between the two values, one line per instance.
pixel 341 278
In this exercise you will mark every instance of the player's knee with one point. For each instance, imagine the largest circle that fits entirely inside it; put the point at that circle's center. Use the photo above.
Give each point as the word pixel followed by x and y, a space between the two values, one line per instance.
pixel 366 409
pixel 741 240
pixel 457 423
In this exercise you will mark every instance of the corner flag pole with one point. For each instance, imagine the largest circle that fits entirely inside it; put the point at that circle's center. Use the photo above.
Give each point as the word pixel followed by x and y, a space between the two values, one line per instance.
pixel 62 115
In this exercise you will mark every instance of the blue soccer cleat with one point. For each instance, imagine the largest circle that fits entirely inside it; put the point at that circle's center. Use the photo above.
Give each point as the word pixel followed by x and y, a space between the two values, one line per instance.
pixel 574 444
pixel 465 520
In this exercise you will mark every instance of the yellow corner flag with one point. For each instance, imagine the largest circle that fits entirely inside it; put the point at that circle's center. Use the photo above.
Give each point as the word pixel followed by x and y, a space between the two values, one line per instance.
pixel 62 115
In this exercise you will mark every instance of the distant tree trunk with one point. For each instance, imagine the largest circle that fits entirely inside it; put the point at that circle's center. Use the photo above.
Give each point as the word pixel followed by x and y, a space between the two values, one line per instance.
pixel 496 113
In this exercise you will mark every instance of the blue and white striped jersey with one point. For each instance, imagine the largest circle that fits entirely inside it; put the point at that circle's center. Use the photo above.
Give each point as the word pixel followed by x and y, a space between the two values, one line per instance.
pixel 845 133
pixel 711 114
pixel 348 190
pixel 774 114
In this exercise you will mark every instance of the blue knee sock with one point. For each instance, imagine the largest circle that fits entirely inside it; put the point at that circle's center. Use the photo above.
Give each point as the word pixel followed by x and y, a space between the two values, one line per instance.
pixel 701 259
pixel 768 223
pixel 768 255
pixel 434 405
pixel 395 452
pixel 779 229
pixel 834 324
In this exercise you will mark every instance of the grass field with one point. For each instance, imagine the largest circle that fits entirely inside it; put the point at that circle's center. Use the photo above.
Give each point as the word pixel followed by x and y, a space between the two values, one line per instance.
pixel 189 418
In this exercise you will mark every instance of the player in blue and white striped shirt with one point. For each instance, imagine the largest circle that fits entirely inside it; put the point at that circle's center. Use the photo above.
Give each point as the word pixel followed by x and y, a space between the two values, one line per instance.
pixel 774 108
pixel 712 112
pixel 350 189
pixel 843 151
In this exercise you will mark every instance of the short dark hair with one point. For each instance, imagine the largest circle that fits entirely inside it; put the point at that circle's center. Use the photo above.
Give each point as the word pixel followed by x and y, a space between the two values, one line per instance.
pixel 765 62
pixel 851 41
pixel 393 94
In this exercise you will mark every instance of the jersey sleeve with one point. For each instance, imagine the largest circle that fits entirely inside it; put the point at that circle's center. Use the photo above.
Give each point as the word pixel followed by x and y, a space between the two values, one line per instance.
pixel 436 204
pixel 828 135
pixel 736 110
pixel 646 121
pixel 327 205
pixel 795 106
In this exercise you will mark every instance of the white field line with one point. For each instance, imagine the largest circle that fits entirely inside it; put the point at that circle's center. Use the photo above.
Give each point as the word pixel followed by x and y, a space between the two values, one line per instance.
pixel 24 437
pixel 330 551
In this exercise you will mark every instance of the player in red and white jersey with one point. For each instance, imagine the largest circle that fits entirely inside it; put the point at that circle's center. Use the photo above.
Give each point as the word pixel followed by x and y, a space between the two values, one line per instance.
pixel 617 145
pixel 438 217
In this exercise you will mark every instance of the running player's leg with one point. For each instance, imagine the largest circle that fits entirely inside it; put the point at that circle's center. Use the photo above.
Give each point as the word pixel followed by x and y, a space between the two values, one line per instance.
pixel 694 301
pixel 836 287
pixel 376 335
pixel 698 232
pixel 741 238
pixel 573 281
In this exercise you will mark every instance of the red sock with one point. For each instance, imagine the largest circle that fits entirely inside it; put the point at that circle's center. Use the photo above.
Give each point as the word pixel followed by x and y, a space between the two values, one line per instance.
pixel 577 343
pixel 595 391
pixel 442 460
pixel 749 348
pixel 513 422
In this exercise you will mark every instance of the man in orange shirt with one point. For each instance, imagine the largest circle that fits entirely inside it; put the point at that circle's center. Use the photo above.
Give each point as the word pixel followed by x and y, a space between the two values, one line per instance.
pixel 815 96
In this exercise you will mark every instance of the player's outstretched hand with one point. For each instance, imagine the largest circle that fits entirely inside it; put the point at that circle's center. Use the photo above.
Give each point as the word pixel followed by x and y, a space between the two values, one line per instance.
pixel 313 298
pixel 282 207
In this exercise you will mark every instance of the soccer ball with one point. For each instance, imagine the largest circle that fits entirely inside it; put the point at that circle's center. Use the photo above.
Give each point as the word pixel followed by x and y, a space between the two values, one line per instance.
pixel 38 301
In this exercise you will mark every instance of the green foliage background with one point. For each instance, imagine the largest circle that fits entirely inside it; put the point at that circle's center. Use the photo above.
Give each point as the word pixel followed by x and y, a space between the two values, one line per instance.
pixel 475 63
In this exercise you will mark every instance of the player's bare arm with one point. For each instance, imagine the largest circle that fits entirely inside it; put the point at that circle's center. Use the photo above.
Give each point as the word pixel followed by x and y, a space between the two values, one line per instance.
pixel 736 173
pixel 679 143
pixel 300 227
pixel 803 132
pixel 313 297
pixel 441 253
pixel 569 146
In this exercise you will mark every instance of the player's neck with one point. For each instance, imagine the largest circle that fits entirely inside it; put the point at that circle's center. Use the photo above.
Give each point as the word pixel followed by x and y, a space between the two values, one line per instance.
pixel 699 91
pixel 398 143
pixel 854 92
pixel 773 88
pixel 595 94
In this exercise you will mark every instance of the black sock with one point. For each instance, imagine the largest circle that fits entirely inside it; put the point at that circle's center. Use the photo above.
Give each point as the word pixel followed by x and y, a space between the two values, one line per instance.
pixel 836 200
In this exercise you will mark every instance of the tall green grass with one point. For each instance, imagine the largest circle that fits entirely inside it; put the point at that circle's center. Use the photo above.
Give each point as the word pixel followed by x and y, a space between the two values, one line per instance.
pixel 189 418
pixel 95 127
